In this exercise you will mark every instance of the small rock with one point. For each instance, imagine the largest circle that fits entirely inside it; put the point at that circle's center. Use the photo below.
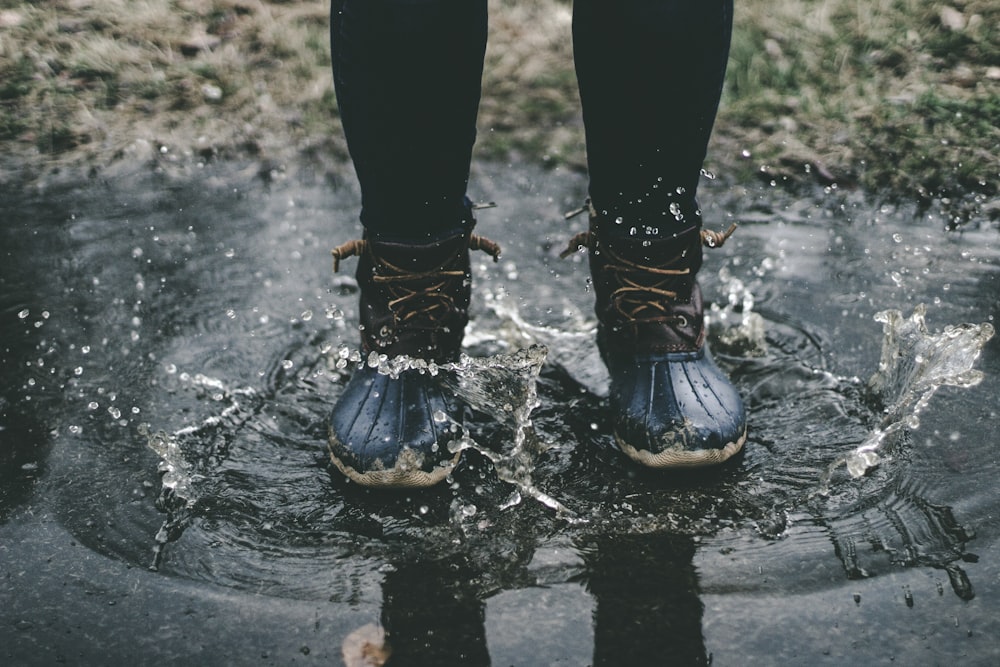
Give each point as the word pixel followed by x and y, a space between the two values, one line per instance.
pixel 211 93
pixel 964 76
pixel 10 18
pixel 366 647
pixel 952 19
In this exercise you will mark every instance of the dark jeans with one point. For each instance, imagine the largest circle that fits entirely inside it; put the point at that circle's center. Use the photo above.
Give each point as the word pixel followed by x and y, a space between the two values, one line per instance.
pixel 408 75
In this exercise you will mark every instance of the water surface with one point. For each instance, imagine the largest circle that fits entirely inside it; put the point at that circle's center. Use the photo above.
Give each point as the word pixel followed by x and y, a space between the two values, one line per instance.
pixel 172 348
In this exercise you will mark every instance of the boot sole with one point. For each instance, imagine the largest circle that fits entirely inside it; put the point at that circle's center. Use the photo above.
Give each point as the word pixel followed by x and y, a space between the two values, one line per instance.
pixel 682 458
pixel 406 474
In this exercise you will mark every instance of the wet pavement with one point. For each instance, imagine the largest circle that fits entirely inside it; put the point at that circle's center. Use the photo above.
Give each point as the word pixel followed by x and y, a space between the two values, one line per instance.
pixel 171 346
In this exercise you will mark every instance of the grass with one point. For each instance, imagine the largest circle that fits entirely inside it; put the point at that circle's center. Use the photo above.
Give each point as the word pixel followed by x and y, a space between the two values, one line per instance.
pixel 899 97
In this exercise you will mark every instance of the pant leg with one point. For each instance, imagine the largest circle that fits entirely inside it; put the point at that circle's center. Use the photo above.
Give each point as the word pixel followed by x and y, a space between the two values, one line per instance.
pixel 651 75
pixel 407 75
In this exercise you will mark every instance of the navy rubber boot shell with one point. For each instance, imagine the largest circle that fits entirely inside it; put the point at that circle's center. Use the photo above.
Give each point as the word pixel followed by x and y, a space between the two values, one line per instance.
pixel 393 430
pixel 673 409
pixel 671 404
pixel 383 431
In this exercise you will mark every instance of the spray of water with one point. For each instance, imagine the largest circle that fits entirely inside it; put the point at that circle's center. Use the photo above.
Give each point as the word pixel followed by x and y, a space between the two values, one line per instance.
pixel 570 347
pixel 915 363
pixel 179 475
pixel 180 472
pixel 502 385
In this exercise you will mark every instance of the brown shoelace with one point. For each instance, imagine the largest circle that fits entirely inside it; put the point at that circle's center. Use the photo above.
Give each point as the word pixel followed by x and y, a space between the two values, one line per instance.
pixel 643 288
pixel 409 289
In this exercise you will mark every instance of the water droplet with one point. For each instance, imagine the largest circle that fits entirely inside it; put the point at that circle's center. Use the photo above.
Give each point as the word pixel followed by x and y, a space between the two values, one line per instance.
pixel 78 370
pixel 307 315
pixel 92 405
pixel 24 313
pixel 170 368
pixel 85 349
pixel 74 429
pixel 230 253
pixel 287 363
pixel 859 462
pixel 114 412
pixel 440 416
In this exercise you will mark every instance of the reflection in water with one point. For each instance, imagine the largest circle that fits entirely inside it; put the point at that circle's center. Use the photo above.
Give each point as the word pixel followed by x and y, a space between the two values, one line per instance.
pixel 648 607
pixel 433 616
pixel 897 526
pixel 645 590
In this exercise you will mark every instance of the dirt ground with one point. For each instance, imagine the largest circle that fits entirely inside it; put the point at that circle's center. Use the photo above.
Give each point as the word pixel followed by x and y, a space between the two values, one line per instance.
pixel 899 97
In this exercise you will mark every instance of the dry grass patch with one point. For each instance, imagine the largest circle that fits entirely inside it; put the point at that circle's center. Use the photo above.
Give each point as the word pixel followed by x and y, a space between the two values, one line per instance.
pixel 899 96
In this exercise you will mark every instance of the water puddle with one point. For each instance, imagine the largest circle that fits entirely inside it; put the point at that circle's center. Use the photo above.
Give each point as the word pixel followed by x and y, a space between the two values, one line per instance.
pixel 171 384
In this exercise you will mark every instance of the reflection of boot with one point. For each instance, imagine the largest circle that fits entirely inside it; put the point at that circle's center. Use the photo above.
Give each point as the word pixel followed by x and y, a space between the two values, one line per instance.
pixel 648 606
pixel 432 616
pixel 671 404
pixel 414 302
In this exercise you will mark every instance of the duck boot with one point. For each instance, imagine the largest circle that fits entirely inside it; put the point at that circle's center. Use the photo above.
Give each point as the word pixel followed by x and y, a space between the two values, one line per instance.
pixel 386 429
pixel 672 406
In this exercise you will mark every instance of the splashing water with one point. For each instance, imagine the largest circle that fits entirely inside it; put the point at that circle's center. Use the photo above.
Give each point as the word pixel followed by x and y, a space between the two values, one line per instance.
pixel 180 472
pixel 734 325
pixel 570 347
pixel 502 385
pixel 914 365
pixel 176 473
